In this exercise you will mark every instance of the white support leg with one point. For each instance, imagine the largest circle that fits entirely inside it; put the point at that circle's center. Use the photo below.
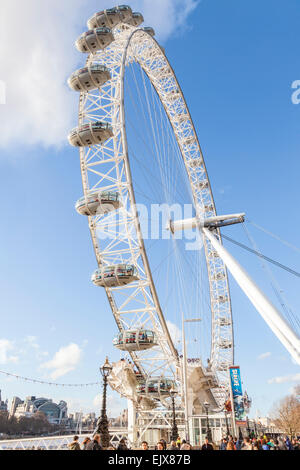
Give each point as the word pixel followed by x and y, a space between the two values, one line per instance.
pixel 267 310
pixel 132 434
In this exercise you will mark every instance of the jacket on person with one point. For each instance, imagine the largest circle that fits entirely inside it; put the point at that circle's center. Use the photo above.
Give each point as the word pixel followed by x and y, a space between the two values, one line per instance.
pixel 207 447
pixel 93 445
pixel 74 445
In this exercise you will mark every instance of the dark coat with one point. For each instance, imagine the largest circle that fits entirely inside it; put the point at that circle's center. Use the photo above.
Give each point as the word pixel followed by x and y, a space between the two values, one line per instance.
pixel 207 447
pixel 93 445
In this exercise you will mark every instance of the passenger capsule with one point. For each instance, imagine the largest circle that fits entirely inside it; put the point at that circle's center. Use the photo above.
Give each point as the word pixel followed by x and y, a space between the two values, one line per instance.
pixel 114 276
pixel 196 162
pixel 111 17
pixel 135 340
pixel 149 31
pixel 225 344
pixel 94 40
pixel 173 96
pixel 89 78
pixel 96 203
pixel 89 134
pixel 202 184
pixel 136 19
pixel 156 387
pixel 223 366
pixel 219 276
pixel 222 299
pixel 224 321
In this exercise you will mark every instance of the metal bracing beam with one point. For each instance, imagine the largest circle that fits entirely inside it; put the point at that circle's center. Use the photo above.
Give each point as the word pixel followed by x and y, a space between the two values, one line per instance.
pixel 268 311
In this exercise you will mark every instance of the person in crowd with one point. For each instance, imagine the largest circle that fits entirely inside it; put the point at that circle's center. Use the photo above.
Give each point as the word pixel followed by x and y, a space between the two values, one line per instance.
pixel 95 444
pixel 238 444
pixel 75 444
pixel 164 443
pixel 230 445
pixel 185 446
pixel 223 444
pixel 281 444
pixel 288 443
pixel 271 444
pixel 256 445
pixel 178 442
pixel 246 444
pixel 159 446
pixel 145 445
pixel 173 446
pixel 207 445
pixel 295 444
pixel 85 443
pixel 122 445
pixel 264 445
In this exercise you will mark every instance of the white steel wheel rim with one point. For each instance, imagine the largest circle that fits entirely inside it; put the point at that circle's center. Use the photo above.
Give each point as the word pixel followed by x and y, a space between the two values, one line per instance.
pixel 135 44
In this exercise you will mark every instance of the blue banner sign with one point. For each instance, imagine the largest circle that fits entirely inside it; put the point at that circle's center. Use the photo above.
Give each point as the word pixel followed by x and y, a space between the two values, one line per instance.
pixel 237 393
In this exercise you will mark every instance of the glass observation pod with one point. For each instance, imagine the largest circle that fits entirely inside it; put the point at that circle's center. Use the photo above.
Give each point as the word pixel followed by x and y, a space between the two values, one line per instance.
pixel 173 96
pixel 224 321
pixel 94 40
pixel 110 17
pixel 89 78
pixel 114 276
pixel 219 276
pixel 156 387
pixel 136 19
pixel 135 340
pixel 222 299
pixel 98 203
pixel 195 163
pixel 90 134
pixel 225 344
pixel 149 31
pixel 223 366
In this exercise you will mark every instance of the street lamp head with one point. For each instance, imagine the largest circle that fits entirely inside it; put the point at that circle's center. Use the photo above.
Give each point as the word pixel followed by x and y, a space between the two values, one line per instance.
pixel 106 368
pixel 206 405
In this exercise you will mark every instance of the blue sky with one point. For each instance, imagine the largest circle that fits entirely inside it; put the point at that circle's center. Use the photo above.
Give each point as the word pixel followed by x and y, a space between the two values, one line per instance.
pixel 236 62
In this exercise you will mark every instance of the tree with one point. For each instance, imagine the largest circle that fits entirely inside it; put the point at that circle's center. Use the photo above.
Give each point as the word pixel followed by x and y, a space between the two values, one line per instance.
pixel 286 415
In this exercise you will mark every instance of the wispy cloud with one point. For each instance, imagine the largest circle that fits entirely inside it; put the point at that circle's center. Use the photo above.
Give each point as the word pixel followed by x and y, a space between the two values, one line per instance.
pixel 6 347
pixel 175 332
pixel 284 379
pixel 115 404
pixel 264 356
pixel 65 360
pixel 40 109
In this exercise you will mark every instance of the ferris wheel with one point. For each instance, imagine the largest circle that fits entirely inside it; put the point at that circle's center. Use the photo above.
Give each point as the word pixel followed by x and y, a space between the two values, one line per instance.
pixel 138 149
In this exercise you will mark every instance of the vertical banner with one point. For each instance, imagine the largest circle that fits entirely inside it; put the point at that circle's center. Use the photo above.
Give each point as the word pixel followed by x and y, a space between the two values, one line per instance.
pixel 237 393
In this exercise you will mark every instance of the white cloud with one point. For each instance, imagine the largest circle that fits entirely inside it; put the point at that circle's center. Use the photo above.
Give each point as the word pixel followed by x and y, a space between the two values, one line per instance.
pixel 175 332
pixel 6 346
pixel 32 342
pixel 38 57
pixel 263 356
pixel 65 360
pixel 285 378
pixel 115 405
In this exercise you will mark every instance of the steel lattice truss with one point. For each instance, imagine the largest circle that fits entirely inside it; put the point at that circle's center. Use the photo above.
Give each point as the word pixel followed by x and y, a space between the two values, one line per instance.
pixel 117 235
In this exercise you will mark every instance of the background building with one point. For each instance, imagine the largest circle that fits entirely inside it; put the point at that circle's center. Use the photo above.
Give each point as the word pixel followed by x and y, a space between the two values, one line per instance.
pixel 55 413
pixel 3 404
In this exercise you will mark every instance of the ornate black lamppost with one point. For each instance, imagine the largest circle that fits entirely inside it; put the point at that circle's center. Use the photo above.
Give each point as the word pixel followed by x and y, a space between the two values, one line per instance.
pixel 209 436
pixel 102 423
pixel 174 432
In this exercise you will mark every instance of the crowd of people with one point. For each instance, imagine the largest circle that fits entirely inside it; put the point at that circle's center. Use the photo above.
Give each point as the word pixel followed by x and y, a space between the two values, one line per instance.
pixel 262 443
pixel 229 443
